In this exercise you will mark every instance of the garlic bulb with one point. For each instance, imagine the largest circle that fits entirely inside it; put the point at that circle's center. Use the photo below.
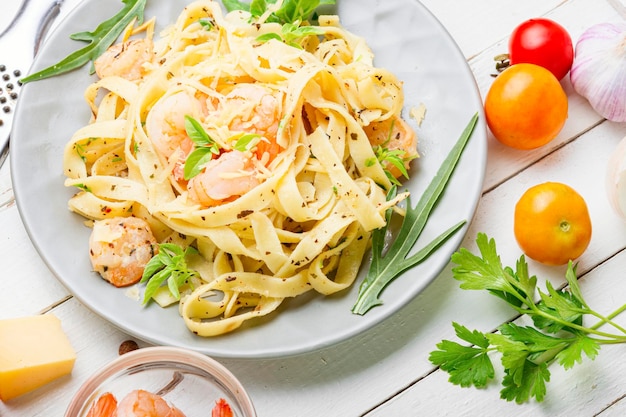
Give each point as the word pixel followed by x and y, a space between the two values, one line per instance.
pixel 599 69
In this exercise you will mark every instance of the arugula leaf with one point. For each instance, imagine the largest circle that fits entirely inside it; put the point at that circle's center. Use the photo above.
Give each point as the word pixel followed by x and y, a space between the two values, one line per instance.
pixel 99 41
pixel 558 335
pixel 167 266
pixel 384 269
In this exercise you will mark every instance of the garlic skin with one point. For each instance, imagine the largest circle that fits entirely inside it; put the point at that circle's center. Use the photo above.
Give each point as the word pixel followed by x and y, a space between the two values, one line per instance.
pixel 616 179
pixel 599 69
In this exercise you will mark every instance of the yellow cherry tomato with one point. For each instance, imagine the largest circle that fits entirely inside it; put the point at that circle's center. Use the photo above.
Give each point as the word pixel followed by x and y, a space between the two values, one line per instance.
pixel 552 223
pixel 526 106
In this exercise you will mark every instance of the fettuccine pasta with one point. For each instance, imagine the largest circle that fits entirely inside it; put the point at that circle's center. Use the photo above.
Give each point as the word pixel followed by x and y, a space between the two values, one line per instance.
pixel 292 182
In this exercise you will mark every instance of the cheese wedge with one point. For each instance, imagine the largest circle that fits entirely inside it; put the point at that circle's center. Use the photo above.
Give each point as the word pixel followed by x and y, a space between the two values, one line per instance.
pixel 33 351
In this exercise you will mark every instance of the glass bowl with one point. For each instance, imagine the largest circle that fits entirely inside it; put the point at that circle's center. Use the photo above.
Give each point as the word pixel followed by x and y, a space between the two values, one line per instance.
pixel 190 381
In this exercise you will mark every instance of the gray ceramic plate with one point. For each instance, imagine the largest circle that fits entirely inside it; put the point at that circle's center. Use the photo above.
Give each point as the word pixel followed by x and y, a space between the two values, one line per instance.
pixel 405 37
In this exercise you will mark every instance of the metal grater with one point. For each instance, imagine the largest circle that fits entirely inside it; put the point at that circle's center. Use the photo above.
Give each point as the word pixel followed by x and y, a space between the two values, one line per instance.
pixel 19 43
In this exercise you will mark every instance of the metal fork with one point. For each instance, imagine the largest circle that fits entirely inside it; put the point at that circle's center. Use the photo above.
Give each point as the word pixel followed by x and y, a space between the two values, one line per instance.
pixel 19 44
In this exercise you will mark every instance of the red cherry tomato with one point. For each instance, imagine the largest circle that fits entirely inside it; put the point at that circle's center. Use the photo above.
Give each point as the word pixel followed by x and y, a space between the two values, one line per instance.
pixel 542 42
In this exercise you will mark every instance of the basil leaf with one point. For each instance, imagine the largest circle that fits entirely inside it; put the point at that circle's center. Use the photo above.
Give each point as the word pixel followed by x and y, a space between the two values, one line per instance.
pixel 195 162
pixel 246 142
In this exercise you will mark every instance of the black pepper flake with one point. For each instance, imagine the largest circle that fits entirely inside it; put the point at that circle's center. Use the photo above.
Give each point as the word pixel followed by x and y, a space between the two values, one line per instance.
pixel 244 213
pixel 230 279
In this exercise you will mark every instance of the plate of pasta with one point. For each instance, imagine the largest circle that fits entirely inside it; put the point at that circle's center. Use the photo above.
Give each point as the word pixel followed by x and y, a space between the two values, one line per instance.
pixel 214 185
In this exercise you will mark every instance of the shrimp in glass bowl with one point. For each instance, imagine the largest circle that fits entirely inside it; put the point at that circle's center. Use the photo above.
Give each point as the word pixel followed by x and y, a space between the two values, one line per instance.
pixel 161 381
pixel 137 403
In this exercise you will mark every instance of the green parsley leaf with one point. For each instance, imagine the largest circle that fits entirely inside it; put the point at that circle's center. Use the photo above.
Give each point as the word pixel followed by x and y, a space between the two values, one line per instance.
pixel 99 41
pixel 558 336
pixel 532 383
pixel 467 365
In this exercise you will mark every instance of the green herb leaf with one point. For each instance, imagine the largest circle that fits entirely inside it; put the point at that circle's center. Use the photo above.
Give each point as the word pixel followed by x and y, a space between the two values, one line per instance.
pixel 246 142
pixel 168 266
pixel 205 148
pixel 291 11
pixel 194 164
pixel 533 379
pixel 467 365
pixel 207 24
pixel 299 10
pixel 384 269
pixel 99 41
pixel 558 335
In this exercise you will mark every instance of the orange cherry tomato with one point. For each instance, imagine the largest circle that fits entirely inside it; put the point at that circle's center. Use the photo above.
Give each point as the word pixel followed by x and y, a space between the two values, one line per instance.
pixel 552 223
pixel 526 106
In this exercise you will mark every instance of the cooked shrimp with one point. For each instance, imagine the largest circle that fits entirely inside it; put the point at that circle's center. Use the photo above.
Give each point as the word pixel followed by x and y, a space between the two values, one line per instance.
pixel 253 108
pixel 229 176
pixel 221 409
pixel 125 59
pixel 258 109
pixel 105 406
pixel 120 248
pixel 165 124
pixel 394 133
pixel 137 403
pixel 140 403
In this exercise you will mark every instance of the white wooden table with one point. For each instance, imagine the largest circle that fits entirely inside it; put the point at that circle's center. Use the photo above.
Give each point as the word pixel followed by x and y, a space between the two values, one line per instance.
pixel 385 371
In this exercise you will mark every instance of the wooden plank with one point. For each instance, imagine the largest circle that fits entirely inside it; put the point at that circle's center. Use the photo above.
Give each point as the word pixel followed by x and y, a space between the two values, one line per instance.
pixel 26 285
pixel 477 25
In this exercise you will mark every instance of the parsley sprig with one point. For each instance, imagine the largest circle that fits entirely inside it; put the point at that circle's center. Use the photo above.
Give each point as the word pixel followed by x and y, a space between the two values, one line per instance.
pixel 384 268
pixel 558 334
pixel 169 266
pixel 98 41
